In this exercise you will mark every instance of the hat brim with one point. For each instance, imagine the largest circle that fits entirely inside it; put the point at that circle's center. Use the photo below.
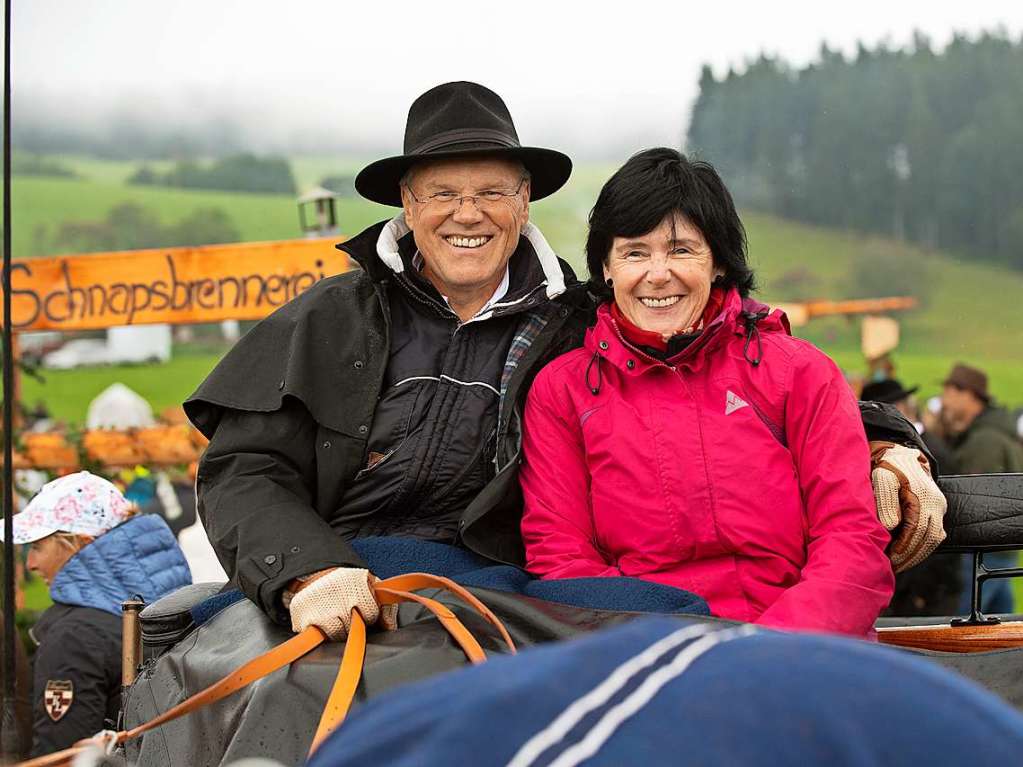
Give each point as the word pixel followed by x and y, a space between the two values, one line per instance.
pixel 548 170
pixel 906 393
pixel 28 533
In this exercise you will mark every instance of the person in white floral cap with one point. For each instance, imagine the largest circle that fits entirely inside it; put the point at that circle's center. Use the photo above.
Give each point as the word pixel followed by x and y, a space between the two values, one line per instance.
pixel 92 549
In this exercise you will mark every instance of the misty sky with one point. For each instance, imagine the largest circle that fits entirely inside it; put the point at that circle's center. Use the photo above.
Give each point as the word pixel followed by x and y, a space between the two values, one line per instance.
pixel 591 78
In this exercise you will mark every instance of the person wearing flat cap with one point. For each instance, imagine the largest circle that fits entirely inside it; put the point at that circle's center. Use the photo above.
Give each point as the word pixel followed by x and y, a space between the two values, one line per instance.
pixel 92 549
pixel 982 440
pixel 891 392
pixel 387 401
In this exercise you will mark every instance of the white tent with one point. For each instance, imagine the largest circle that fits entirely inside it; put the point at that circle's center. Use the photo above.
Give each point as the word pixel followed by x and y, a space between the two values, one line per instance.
pixel 118 407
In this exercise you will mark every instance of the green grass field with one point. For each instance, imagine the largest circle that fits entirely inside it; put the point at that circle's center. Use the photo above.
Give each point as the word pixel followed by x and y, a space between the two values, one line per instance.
pixel 67 393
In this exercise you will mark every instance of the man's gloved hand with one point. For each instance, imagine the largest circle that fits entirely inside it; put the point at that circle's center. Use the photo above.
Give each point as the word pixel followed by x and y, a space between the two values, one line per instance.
pixel 326 600
pixel 909 503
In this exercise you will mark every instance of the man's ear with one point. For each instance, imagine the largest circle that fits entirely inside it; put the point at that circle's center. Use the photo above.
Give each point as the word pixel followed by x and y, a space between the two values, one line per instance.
pixel 525 205
pixel 406 204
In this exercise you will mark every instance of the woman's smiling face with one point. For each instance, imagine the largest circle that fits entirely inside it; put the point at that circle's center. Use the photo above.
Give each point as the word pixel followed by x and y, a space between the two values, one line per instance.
pixel 661 280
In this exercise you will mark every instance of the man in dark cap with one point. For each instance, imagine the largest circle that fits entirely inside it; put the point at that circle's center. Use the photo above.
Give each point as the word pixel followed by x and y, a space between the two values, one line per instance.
pixel 892 392
pixel 934 586
pixel 387 401
pixel 982 441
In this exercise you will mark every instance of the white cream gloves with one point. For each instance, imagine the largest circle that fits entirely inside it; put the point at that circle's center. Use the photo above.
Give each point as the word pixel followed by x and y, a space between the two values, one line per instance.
pixel 327 602
pixel 907 497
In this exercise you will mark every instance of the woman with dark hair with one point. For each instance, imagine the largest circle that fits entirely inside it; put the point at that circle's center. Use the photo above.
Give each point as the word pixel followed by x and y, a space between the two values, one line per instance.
pixel 693 441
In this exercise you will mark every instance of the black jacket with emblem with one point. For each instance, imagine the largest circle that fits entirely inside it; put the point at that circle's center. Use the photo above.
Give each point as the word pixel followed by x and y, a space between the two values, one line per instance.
pixel 363 407
pixel 77 690
pixel 77 675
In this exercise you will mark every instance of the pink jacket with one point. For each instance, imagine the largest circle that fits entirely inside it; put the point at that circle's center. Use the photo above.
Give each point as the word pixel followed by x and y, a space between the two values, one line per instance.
pixel 739 472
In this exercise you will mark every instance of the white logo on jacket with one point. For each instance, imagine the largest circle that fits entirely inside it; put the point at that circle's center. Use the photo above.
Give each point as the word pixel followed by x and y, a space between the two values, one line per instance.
pixel 734 402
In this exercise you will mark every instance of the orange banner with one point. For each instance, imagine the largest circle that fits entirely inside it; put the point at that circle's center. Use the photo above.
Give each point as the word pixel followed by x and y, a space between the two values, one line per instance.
pixel 208 283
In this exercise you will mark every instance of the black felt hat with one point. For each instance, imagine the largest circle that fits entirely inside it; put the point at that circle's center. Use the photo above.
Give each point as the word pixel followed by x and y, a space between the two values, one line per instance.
pixel 461 119
pixel 889 390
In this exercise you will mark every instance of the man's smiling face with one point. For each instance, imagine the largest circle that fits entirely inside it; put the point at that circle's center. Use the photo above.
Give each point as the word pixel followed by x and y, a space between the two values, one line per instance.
pixel 465 244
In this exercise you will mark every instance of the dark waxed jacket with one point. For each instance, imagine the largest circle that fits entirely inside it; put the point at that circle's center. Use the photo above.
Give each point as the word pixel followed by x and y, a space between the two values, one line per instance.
pixel 989 445
pixel 290 413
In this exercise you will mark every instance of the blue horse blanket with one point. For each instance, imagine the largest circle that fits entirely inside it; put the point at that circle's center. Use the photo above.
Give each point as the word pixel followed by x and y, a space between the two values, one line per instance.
pixel 661 691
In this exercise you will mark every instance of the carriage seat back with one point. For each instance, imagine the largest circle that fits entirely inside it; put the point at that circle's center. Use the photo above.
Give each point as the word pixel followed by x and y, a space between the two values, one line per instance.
pixel 985 512
pixel 169 619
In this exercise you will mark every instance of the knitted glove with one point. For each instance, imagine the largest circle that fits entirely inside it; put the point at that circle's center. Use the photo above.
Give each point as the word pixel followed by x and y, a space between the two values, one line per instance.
pixel 328 600
pixel 906 498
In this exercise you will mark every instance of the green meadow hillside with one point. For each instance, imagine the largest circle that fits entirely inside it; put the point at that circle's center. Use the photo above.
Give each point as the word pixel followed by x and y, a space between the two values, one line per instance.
pixel 968 311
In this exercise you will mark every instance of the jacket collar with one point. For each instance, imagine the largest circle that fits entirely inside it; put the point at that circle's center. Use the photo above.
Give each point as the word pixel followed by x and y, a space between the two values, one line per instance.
pixel 382 252
pixel 606 339
pixel 140 556
pixel 396 229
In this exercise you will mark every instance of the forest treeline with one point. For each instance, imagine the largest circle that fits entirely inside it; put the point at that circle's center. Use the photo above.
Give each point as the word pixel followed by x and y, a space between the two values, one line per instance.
pixel 244 172
pixel 915 143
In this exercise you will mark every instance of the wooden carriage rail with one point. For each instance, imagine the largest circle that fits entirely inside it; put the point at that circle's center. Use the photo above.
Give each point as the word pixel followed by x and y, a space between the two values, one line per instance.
pixel 166 445
pixel 390 591
pixel 957 639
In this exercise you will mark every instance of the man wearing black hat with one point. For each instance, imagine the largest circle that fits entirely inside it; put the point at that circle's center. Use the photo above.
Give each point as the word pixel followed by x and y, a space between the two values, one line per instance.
pixel 383 401
pixel 387 401
pixel 934 586
pixel 892 392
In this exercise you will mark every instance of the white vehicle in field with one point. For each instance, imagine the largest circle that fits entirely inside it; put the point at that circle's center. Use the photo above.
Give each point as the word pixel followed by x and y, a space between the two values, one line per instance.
pixel 123 345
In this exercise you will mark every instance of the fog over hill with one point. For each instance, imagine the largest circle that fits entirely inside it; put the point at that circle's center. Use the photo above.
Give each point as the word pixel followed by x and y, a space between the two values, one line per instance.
pixel 598 81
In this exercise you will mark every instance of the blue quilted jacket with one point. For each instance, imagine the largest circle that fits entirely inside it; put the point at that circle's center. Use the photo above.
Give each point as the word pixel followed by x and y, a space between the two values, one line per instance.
pixel 140 556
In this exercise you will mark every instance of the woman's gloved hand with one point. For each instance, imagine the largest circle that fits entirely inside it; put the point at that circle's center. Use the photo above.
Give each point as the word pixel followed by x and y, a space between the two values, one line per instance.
pixel 909 503
pixel 326 599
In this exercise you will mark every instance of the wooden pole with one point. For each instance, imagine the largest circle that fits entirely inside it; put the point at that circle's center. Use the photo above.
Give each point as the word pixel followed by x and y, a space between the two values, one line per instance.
pixel 131 642
pixel 9 738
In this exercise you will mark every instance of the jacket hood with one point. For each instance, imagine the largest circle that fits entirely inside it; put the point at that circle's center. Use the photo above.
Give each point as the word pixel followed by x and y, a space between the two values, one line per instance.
pixel 378 247
pixel 739 316
pixel 140 556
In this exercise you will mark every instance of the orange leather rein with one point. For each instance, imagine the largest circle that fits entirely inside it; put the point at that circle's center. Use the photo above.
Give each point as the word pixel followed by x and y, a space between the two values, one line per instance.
pixel 388 592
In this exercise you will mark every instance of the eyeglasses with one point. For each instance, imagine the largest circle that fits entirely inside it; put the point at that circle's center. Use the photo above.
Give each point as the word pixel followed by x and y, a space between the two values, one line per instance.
pixel 449 202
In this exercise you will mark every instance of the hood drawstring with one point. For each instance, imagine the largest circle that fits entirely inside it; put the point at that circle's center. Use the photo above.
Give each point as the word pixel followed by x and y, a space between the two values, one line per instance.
pixel 595 359
pixel 751 319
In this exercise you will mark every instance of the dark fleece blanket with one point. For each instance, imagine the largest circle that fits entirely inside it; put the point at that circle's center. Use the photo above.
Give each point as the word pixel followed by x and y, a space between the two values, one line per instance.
pixel 395 556
pixel 390 556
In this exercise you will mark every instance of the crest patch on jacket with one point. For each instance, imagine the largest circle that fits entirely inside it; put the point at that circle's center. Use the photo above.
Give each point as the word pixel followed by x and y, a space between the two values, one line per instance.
pixel 57 697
